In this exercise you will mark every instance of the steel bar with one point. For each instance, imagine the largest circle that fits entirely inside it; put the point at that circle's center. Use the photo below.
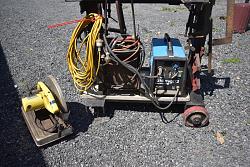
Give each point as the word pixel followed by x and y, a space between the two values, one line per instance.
pixel 133 98
pixel 210 51
pixel 120 17
pixel 174 2
pixel 229 25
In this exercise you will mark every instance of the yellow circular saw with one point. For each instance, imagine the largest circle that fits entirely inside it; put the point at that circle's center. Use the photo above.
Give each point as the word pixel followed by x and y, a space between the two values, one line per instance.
pixel 42 99
pixel 46 113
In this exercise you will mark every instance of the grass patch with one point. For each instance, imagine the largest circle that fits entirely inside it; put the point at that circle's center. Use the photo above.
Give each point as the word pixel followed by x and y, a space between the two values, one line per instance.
pixel 216 29
pixel 231 60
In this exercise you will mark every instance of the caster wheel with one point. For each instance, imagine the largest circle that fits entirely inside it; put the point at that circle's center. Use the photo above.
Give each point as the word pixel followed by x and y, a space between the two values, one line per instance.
pixel 196 116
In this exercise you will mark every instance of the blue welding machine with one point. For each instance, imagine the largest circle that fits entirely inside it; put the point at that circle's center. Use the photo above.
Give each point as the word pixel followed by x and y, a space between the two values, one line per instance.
pixel 168 65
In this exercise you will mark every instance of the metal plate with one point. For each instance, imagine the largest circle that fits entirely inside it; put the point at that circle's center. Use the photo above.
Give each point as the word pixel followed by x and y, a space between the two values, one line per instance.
pixel 57 92
pixel 99 100
pixel 41 137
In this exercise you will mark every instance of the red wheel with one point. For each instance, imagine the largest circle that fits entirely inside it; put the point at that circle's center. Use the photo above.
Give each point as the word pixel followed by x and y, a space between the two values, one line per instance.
pixel 196 116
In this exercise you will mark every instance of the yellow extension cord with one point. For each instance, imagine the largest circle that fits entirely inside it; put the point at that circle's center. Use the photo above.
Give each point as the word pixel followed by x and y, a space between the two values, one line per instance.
pixel 82 68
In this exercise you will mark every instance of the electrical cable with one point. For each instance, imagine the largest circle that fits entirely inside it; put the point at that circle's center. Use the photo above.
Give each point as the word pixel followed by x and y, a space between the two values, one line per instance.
pixel 50 129
pixel 84 70
pixel 153 99
pixel 128 48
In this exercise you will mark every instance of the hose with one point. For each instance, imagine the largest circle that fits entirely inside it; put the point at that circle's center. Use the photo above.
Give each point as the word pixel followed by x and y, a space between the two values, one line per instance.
pixel 84 69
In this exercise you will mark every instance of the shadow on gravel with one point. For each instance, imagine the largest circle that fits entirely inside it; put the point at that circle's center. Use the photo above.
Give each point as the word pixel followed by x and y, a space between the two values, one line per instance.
pixel 79 118
pixel 209 83
pixel 16 145
pixel 175 109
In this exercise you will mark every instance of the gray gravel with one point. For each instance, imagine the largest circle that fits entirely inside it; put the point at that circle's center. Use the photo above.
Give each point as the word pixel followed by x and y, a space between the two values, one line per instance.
pixel 29 51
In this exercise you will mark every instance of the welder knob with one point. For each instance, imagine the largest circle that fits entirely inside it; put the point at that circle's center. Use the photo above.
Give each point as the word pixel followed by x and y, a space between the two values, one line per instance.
pixel 196 116
pixel 160 71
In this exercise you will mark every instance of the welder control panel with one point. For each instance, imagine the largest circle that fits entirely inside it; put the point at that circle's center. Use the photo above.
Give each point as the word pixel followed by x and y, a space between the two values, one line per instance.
pixel 168 67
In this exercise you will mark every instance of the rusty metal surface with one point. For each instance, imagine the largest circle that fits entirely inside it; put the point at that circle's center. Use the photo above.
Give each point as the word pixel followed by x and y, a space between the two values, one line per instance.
pixel 196 85
pixel 241 17
pixel 120 78
pixel 116 77
pixel 196 116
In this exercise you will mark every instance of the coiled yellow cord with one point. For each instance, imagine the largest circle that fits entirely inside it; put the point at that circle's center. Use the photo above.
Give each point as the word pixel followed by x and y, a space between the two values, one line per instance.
pixel 83 70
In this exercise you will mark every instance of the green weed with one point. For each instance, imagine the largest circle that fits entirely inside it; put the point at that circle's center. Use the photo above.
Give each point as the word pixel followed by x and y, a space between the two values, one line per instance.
pixel 231 60
pixel 216 29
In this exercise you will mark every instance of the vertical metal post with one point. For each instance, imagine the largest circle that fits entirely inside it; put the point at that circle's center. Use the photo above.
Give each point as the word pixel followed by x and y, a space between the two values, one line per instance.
pixel 229 25
pixel 106 16
pixel 210 51
pixel 120 17
pixel 133 17
pixel 230 15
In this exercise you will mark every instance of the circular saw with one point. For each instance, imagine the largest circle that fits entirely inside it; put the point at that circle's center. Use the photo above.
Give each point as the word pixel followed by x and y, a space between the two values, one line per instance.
pixel 46 112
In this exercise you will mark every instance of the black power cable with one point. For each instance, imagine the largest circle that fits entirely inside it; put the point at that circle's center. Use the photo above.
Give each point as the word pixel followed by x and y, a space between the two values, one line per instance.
pixel 134 70
pixel 52 129
pixel 148 92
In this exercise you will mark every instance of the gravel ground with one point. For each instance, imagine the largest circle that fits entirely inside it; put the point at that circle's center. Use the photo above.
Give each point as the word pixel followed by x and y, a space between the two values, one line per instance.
pixel 29 51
